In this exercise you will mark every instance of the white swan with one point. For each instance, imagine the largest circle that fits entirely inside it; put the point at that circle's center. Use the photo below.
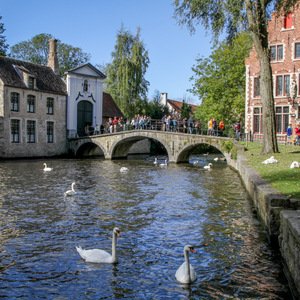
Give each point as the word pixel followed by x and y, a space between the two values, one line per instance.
pixel 155 161
pixel 208 167
pixel 186 273
pixel 206 154
pixel 195 163
pixel 270 160
pixel 46 168
pixel 165 164
pixel 72 191
pixel 101 256
pixel 124 169
pixel 295 164
pixel 216 158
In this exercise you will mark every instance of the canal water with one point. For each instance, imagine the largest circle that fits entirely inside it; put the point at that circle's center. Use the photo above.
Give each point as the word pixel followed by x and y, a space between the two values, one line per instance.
pixel 158 210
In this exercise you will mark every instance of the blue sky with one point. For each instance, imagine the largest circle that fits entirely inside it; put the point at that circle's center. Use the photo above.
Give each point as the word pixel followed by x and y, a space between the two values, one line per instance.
pixel 92 25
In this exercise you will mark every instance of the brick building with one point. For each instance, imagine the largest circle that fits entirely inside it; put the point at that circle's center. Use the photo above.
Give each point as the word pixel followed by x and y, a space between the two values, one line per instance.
pixel 284 43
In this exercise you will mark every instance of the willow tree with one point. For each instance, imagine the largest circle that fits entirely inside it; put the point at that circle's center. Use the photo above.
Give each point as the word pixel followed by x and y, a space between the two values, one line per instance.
pixel 126 74
pixel 231 15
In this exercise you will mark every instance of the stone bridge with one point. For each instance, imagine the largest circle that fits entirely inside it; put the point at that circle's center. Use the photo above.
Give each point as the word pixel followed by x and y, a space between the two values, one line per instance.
pixel 178 146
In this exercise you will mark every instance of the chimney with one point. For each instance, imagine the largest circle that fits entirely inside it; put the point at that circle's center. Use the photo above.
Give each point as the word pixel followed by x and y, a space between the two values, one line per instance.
pixel 53 60
pixel 164 98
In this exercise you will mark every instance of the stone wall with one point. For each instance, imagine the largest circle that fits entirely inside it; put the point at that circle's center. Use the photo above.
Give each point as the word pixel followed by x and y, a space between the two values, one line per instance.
pixel 289 242
pixel 279 215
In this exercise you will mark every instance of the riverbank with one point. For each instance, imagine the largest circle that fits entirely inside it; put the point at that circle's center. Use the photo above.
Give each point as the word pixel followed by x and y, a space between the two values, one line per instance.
pixel 278 211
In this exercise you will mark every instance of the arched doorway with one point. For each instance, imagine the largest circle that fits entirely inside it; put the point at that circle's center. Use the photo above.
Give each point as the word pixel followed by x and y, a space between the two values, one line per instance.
pixel 84 117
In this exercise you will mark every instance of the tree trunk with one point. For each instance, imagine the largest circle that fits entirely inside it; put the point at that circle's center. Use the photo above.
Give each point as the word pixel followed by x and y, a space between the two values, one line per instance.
pixel 258 28
pixel 269 122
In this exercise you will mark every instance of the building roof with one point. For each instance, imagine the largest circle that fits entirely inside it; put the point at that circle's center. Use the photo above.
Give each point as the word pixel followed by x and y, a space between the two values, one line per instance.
pixel 98 72
pixel 176 105
pixel 110 108
pixel 46 80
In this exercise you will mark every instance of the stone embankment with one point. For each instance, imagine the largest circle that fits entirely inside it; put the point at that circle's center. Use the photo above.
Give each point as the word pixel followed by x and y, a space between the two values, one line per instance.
pixel 279 215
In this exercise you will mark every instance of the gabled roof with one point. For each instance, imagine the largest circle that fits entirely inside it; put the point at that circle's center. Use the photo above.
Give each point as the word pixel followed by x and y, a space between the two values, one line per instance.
pixel 110 108
pixel 176 105
pixel 97 72
pixel 46 80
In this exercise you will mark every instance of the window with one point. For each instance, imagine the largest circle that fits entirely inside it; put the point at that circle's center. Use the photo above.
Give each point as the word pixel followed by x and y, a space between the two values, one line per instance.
pixel 49 108
pixel 282 85
pixel 30 103
pixel 50 130
pixel 30 82
pixel 14 101
pixel 282 118
pixel 85 86
pixel 30 131
pixel 256 87
pixel 276 52
pixel 297 50
pixel 288 21
pixel 257 120
pixel 15 131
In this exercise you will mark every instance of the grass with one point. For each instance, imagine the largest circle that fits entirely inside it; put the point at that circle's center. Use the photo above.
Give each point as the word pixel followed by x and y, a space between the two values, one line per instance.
pixel 280 175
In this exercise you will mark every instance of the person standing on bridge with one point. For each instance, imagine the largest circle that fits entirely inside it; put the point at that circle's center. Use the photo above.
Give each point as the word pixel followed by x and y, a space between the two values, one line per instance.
pixel 221 128
pixel 191 124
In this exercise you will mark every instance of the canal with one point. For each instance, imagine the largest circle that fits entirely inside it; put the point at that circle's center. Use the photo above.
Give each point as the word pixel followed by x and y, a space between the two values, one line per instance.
pixel 158 210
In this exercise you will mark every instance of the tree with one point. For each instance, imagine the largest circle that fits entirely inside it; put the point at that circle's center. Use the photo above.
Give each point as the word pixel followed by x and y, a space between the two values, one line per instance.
pixel 185 110
pixel 232 15
pixel 36 50
pixel 154 109
pixel 220 81
pixel 125 75
pixel 3 45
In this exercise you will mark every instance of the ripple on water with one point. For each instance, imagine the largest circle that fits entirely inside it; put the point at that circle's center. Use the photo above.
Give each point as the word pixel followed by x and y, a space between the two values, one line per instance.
pixel 159 211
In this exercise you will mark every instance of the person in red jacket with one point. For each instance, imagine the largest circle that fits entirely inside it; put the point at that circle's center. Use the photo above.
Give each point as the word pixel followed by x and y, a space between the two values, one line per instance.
pixel 297 132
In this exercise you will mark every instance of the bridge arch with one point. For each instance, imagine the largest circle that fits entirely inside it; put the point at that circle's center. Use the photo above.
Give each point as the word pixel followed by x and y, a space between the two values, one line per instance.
pixel 121 146
pixel 185 152
pixel 89 148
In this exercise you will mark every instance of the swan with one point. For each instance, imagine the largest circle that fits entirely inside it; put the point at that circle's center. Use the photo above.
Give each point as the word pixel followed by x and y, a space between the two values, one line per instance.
pixel 206 154
pixel 216 159
pixel 195 163
pixel 124 169
pixel 270 160
pixel 165 164
pixel 208 167
pixel 72 191
pixel 186 273
pixel 46 168
pixel 101 256
pixel 155 161
pixel 295 164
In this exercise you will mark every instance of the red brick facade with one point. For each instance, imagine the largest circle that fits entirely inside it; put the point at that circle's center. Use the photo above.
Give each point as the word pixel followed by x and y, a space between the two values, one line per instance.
pixel 284 43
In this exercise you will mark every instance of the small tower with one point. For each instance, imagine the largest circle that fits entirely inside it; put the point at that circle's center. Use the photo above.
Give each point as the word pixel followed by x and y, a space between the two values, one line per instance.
pixel 53 59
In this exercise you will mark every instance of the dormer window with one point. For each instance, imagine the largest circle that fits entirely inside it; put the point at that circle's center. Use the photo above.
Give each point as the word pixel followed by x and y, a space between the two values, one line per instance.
pixel 30 82
pixel 85 86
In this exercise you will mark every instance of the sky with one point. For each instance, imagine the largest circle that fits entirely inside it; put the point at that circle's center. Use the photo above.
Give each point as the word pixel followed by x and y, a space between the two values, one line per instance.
pixel 92 25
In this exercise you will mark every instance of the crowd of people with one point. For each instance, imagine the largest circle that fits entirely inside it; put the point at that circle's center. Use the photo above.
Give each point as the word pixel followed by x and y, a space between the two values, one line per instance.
pixel 168 123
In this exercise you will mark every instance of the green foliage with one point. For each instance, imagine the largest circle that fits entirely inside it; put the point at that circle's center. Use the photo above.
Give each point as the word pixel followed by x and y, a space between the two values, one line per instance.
pixel 125 75
pixel 226 145
pixel 36 50
pixel 3 45
pixel 154 109
pixel 220 81
pixel 185 110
